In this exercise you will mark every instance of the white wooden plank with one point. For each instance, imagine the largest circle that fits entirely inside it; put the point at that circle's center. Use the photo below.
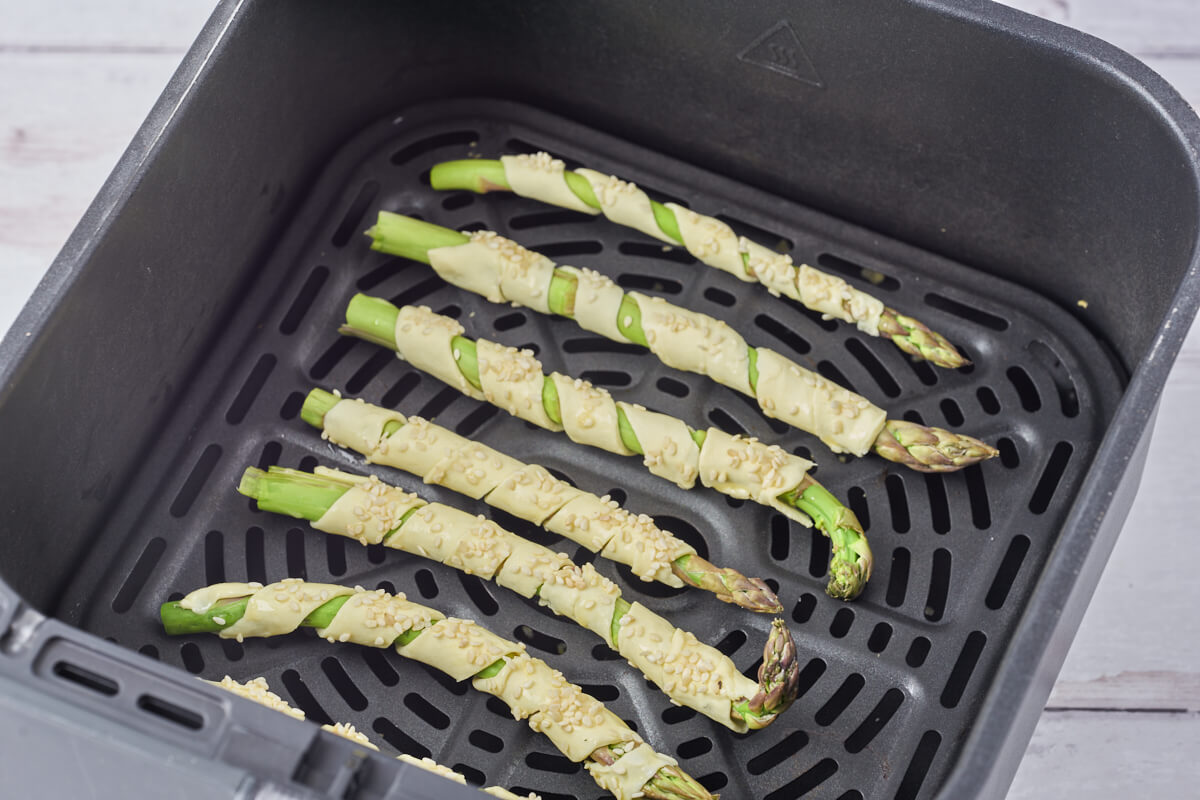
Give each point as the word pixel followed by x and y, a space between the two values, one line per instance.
pixel 1129 691
pixel 75 25
pixel 1150 27
pixel 1080 755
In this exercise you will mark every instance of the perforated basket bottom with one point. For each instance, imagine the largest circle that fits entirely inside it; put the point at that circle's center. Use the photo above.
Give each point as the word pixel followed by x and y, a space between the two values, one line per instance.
pixel 890 684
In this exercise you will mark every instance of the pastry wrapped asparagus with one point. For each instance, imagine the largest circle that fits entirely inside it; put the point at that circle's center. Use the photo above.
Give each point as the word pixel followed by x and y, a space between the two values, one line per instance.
pixel 503 271
pixel 371 512
pixel 528 491
pixel 542 177
pixel 578 724
pixel 258 691
pixel 513 380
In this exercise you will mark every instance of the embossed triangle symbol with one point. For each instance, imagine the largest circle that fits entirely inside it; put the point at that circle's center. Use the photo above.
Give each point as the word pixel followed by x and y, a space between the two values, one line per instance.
pixel 779 50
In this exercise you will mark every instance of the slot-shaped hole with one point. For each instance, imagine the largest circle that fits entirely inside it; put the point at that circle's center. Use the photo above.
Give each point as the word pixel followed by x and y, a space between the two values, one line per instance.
pixel 297 564
pixel 420 147
pixel 603 692
pixel 458 688
pixel 401 389
pixel 783 333
pixel 303 301
pixel 292 406
pixel 960 675
pixel 303 697
pixel 988 401
pixel 352 220
pixel 804 609
pixel 681 528
pixel 193 659
pixel 149 650
pixel 732 642
pixel 881 634
pixel 850 794
pixel 856 498
pixel 233 650
pixel 648 283
pixel 427 711
pixel 457 200
pixel 343 683
pixel 614 493
pixel 918 651
pixel 815 317
pixel 384 272
pixel 722 419
pixel 256 556
pixel 939 585
pixel 542 219
pixel 809 675
pixel 918 768
pixel 1006 575
pixel 594 344
pixel 270 455
pixel 876 721
pixel 672 387
pixel 374 364
pixel 898 502
pixel 924 371
pixel 898 578
pixel 171 712
pixel 551 762
pixel 377 662
pixel 478 591
pixel 540 641
pixel 842 621
pixel 214 557
pixel 964 311
pixel 419 291
pixel 693 748
pixel 673 715
pixel 331 357
pixel 143 568
pixel 832 373
pixel 201 472
pixel 1047 485
pixel 781 537
pixel 719 296
pixel 558 250
pixel 841 700
pixel 474 776
pixel 778 426
pixel 88 679
pixel 824 769
pixel 818 552
pixel 438 403
pixel 485 741
pixel 939 503
pixel 335 555
pixel 509 321
pixel 848 269
pixel 769 239
pixel 250 389
pixel 1027 392
pixel 874 367
pixel 475 420
pixel 376 553
pixel 952 413
pixel 662 252
pixel 981 513
pixel 607 377
pixel 515 145
pixel 426 584
pixel 777 753
pixel 1008 453
pixel 308 463
pixel 398 740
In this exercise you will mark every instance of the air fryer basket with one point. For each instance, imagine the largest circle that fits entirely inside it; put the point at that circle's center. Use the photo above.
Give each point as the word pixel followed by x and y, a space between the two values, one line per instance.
pixel 930 681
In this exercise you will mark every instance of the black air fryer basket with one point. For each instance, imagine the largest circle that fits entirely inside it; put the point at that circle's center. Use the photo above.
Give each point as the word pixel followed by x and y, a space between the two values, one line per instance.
pixel 1027 190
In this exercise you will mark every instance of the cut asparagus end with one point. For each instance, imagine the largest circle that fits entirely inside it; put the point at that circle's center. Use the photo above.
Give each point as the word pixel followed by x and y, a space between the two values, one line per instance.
pixel 727 584
pixel 472 175
pixel 928 449
pixel 915 338
pixel 302 495
pixel 318 403
pixel 373 319
pixel 179 621
pixel 398 235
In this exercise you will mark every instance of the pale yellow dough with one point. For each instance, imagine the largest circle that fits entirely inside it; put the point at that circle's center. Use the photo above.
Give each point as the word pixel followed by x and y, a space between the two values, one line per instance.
pixel 280 607
pixel 668 449
pixel 473 544
pixel 750 470
pixel 429 765
pixel 458 647
pixel 588 414
pixel 542 177
pixel 203 599
pixel 497 268
pixel 695 342
pixel 376 618
pixel 583 595
pixel 368 511
pixel 625 778
pixel 512 380
pixel 711 241
pixel 624 203
pixel 597 302
pixel 256 689
pixel 425 340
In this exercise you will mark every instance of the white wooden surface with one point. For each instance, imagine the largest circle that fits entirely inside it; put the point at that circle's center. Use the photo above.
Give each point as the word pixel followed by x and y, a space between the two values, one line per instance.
pixel 78 77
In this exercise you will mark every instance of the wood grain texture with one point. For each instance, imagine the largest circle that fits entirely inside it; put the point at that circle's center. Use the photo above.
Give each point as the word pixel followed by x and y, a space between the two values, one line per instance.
pixel 77 77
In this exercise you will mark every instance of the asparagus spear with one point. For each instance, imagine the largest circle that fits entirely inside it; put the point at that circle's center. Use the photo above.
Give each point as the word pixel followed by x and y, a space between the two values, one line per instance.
pixel 502 270
pixel 372 512
pixel 652 553
pixel 257 690
pixel 742 468
pixel 708 239
pixel 572 719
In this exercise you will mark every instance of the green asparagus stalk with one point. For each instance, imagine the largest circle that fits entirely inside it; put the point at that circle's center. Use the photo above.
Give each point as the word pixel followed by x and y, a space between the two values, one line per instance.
pixel 851 560
pixel 726 583
pixel 854 420
pixel 668 783
pixel 310 496
pixel 910 335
